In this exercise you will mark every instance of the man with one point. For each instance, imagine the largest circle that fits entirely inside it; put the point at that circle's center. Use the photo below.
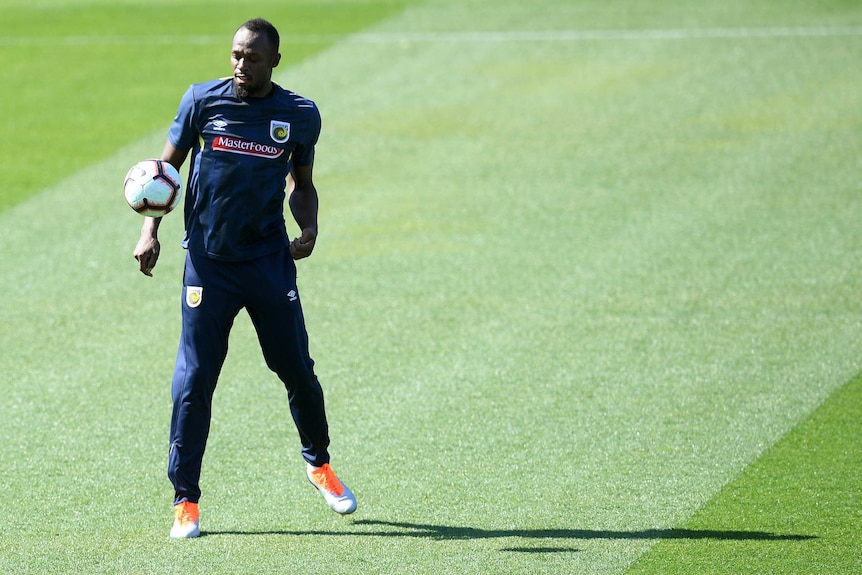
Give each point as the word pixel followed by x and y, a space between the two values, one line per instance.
pixel 248 137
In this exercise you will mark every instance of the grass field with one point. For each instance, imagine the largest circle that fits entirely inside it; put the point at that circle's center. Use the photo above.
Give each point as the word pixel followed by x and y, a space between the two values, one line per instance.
pixel 586 297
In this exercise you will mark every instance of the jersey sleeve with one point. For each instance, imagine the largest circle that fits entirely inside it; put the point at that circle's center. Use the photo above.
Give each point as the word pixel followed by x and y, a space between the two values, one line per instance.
pixel 182 133
pixel 303 155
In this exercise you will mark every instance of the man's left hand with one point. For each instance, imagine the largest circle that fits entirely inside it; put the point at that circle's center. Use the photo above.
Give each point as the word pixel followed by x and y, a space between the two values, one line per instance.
pixel 302 246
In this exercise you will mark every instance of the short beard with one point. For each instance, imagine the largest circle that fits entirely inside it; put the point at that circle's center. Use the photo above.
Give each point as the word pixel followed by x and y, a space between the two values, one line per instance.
pixel 240 91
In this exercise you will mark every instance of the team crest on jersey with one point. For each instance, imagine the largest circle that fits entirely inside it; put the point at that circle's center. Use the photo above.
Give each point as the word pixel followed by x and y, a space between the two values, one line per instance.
pixel 194 296
pixel 279 131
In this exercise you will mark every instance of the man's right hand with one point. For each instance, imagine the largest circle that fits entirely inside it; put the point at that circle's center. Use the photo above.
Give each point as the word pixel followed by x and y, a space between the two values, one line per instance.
pixel 147 250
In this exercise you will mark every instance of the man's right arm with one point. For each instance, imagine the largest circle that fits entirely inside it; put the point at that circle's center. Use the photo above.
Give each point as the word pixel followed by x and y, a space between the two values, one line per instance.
pixel 147 249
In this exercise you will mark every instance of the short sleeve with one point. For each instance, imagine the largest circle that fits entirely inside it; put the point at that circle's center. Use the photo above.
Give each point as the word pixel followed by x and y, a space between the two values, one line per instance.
pixel 303 155
pixel 182 133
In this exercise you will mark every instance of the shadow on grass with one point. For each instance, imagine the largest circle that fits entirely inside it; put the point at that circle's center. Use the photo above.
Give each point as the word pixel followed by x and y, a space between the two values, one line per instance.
pixel 450 533
pixel 539 549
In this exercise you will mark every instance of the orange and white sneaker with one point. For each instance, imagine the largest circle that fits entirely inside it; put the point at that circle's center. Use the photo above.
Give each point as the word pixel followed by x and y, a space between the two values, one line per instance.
pixel 187 520
pixel 336 494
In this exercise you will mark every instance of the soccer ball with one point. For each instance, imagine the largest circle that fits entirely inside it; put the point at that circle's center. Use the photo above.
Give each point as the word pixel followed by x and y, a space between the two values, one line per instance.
pixel 152 188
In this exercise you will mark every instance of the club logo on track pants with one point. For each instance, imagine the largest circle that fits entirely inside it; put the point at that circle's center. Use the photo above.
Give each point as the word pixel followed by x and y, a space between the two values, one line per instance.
pixel 194 296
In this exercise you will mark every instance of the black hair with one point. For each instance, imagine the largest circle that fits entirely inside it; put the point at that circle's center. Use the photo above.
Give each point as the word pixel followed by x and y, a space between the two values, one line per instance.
pixel 261 26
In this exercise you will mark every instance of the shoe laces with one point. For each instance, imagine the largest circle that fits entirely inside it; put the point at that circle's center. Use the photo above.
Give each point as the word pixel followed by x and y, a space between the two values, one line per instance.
pixel 327 480
pixel 186 512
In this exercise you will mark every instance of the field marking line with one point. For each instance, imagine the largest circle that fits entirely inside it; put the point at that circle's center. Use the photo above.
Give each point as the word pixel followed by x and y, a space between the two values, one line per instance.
pixel 466 37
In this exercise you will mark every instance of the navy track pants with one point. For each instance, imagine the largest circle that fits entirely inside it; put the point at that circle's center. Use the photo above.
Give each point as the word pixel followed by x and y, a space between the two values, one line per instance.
pixel 213 294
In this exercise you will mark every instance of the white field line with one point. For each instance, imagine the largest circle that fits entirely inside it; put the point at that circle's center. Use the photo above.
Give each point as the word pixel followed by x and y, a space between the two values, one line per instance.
pixel 576 35
pixel 467 37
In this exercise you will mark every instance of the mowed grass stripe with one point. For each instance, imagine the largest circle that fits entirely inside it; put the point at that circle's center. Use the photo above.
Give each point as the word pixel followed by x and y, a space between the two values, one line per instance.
pixel 474 36
pixel 665 298
pixel 662 244
pixel 98 91
pixel 798 503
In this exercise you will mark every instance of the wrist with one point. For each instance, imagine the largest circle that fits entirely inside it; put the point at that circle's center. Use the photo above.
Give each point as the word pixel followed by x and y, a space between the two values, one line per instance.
pixel 151 227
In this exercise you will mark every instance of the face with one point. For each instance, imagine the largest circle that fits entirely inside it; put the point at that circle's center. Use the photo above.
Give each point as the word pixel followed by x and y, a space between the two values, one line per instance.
pixel 252 59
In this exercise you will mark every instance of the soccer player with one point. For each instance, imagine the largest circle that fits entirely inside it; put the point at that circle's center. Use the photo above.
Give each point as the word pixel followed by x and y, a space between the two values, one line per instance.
pixel 250 142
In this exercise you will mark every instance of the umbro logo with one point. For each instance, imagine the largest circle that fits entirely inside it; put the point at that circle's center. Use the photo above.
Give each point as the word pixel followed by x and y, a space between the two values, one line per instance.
pixel 291 295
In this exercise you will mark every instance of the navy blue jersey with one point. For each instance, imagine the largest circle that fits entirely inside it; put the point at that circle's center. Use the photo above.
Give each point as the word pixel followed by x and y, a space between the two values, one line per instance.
pixel 241 154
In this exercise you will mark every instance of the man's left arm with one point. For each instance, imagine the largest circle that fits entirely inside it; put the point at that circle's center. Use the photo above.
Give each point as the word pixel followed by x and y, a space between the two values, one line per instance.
pixel 303 206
